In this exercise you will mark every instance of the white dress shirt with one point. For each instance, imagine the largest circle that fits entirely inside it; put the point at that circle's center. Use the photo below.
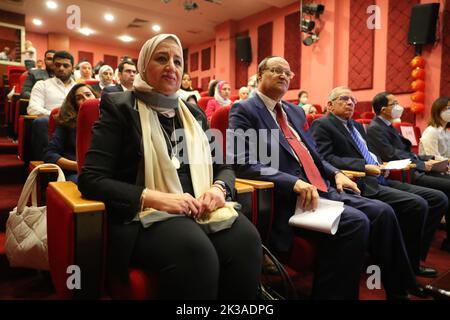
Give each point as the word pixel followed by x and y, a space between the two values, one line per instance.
pixel 435 142
pixel 47 95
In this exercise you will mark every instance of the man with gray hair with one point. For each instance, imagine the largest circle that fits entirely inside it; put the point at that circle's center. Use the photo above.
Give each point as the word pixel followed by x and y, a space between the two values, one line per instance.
pixel 343 142
pixel 302 176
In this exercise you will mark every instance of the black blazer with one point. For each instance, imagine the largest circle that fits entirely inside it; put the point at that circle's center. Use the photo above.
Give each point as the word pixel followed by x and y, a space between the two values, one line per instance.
pixel 33 77
pixel 116 88
pixel 337 146
pixel 114 172
pixel 253 114
pixel 387 143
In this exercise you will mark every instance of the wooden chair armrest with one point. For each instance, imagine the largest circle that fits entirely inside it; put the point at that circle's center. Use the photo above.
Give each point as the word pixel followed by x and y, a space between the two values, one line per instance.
pixel 242 188
pixel 27 116
pixel 257 184
pixel 71 195
pixel 354 174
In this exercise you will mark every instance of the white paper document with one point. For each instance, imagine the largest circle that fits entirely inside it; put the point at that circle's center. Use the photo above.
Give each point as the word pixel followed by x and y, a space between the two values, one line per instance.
pixel 324 219
pixel 397 164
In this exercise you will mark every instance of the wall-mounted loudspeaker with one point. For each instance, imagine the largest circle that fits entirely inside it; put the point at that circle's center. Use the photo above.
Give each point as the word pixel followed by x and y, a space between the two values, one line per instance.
pixel 243 49
pixel 422 26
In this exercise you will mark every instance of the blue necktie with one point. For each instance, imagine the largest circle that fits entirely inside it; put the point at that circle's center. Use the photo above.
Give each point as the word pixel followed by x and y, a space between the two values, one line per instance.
pixel 364 150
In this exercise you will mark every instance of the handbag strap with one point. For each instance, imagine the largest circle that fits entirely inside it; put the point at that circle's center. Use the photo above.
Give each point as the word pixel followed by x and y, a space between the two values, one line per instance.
pixel 30 188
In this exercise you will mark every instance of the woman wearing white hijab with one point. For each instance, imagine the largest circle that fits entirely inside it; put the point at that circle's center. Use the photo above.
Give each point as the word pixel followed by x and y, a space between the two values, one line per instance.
pixel 221 98
pixel 156 192
pixel 106 77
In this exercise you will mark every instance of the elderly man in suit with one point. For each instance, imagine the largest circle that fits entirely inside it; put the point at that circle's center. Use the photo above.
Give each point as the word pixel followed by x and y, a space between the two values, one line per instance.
pixel 390 145
pixel 300 173
pixel 343 142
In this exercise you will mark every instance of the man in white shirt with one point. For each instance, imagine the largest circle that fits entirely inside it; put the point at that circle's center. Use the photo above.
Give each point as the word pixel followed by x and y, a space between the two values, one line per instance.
pixel 47 95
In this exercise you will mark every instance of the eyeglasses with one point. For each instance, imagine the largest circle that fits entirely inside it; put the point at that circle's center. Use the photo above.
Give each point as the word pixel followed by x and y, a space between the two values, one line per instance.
pixel 280 71
pixel 346 98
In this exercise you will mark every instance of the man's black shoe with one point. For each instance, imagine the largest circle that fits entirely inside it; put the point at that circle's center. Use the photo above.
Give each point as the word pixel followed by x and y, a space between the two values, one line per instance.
pixel 427 272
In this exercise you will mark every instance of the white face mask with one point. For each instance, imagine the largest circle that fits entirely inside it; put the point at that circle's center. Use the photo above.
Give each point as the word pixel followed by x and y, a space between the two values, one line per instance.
pixel 397 111
pixel 445 115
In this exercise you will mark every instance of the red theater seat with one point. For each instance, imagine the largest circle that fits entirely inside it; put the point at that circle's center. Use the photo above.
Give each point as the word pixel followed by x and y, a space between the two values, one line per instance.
pixel 367 115
pixel 52 122
pixel 410 132
pixel 203 102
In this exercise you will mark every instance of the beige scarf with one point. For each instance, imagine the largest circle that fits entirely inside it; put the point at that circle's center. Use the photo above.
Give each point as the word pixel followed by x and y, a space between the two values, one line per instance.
pixel 161 174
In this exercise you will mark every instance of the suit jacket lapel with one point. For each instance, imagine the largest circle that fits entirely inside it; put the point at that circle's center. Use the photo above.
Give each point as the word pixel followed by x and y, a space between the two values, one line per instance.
pixel 345 132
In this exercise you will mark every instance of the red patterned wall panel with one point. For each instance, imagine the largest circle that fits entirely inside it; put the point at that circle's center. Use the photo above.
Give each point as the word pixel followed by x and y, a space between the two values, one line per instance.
pixel 186 59
pixel 195 82
pixel 292 46
pixel 206 59
pixel 194 62
pixel 361 51
pixel 241 68
pixel 265 33
pixel 86 56
pixel 205 83
pixel 110 61
pixel 399 52
pixel 445 66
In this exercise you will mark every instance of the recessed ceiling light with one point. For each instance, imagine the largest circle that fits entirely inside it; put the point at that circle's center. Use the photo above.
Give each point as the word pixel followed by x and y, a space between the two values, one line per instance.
pixel 52 5
pixel 156 27
pixel 108 17
pixel 126 38
pixel 37 22
pixel 86 31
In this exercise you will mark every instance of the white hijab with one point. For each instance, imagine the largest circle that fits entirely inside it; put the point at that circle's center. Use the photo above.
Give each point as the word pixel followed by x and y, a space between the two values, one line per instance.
pixel 221 100
pixel 100 75
pixel 158 102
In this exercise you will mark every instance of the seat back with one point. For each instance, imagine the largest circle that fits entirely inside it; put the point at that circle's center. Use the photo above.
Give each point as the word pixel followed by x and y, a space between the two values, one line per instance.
pixel 52 122
pixel 204 94
pixel 367 115
pixel 21 82
pixel 365 122
pixel 88 113
pixel 410 132
pixel 219 121
pixel 203 102
pixel 91 82
pixel 13 73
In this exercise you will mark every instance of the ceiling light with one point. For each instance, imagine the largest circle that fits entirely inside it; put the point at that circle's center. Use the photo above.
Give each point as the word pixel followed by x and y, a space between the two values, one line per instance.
pixel 52 5
pixel 126 38
pixel 156 27
pixel 37 22
pixel 86 31
pixel 108 17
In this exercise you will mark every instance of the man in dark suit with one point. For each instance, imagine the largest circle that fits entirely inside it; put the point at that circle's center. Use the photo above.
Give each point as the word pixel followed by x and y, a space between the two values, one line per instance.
pixel 299 173
pixel 38 74
pixel 127 72
pixel 343 142
pixel 385 141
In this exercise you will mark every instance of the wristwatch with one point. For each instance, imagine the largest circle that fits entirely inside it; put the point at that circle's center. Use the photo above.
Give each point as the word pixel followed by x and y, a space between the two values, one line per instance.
pixel 223 186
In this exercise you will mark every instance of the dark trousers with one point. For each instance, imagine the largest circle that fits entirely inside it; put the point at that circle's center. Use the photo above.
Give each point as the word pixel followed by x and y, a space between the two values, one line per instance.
pixel 194 265
pixel 438 182
pixel 39 138
pixel 365 224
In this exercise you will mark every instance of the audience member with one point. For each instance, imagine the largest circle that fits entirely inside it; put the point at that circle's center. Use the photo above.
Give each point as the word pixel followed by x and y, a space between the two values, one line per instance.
pixel 105 75
pixel 221 99
pixel 212 87
pixel 38 74
pixel 343 143
pixel 387 143
pixel 49 94
pixel 243 94
pixel 186 91
pixel 190 263
pixel 85 71
pixel 127 72
pixel 40 64
pixel 5 54
pixel 301 176
pixel 29 55
pixel 61 148
pixel 252 85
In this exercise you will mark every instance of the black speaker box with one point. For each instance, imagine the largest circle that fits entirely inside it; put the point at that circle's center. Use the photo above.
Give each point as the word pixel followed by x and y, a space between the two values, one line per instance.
pixel 244 49
pixel 422 26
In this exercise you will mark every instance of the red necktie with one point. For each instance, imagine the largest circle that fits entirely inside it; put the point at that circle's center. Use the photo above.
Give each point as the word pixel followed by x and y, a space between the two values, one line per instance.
pixel 310 168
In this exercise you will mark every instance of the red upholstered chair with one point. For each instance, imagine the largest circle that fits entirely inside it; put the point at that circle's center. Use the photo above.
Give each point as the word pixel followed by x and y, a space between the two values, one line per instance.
pixel 234 97
pixel 365 122
pixel 91 82
pixel 356 115
pixel 367 115
pixel 410 132
pixel 204 94
pixel 318 108
pixel 52 122
pixel 203 102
